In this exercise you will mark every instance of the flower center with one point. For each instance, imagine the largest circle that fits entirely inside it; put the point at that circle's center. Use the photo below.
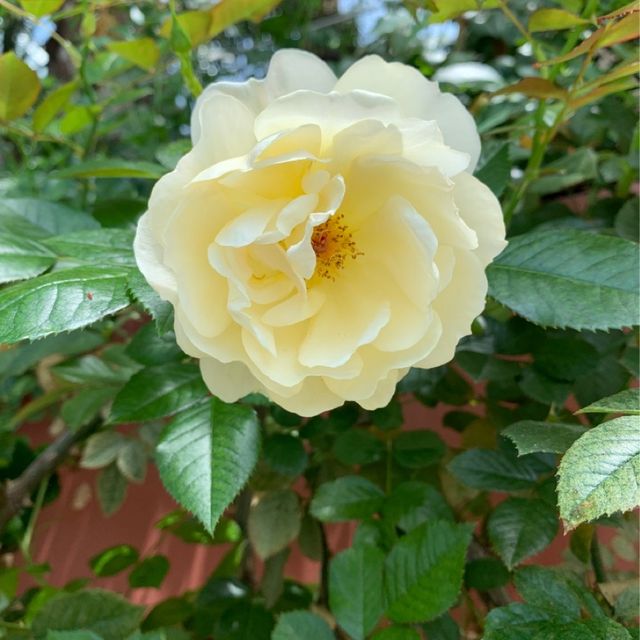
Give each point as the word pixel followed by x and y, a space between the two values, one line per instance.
pixel 333 244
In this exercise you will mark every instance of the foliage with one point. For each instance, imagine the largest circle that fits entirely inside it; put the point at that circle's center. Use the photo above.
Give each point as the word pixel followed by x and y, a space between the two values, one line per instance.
pixel 541 426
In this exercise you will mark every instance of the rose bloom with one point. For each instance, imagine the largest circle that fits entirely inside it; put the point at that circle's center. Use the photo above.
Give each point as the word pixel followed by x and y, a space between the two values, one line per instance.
pixel 323 235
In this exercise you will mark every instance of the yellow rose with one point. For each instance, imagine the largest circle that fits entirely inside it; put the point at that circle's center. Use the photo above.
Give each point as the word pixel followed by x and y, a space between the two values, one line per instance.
pixel 323 235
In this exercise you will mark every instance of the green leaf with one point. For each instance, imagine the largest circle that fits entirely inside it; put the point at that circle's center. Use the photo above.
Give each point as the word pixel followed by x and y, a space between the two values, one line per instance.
pixel 485 574
pixel 563 595
pixel 417 449
pixel 389 417
pixel 106 614
pixel 272 583
pixel 206 455
pixel 149 573
pixel 495 171
pixel 285 454
pixel 412 503
pixel 396 633
pixel 600 473
pixel 19 87
pixel 101 449
pixel 111 168
pixel 84 407
pixel 627 221
pixel 347 498
pixel 491 470
pixel 519 528
pixel 149 348
pixel 54 218
pixel 22 258
pixel 536 88
pixel 526 622
pixel 113 560
pixel 143 52
pixel 532 436
pixel 442 628
pixel 77 118
pixel 52 104
pixel 72 635
pixel 627 401
pixel 274 522
pixel 228 12
pixel 156 392
pixel 169 612
pixel 568 278
pixel 568 171
pixel 355 590
pixel 160 310
pixel 295 625
pixel 357 446
pixel 112 489
pixel 132 461
pixel 554 20
pixel 60 301
pixel 39 8
pixel 424 571
pixel 95 246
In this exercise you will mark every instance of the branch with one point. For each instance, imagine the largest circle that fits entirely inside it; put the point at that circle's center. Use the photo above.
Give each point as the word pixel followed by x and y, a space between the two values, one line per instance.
pixel 16 492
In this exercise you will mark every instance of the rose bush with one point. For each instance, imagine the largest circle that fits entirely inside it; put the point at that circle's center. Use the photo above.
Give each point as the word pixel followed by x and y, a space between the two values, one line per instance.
pixel 323 235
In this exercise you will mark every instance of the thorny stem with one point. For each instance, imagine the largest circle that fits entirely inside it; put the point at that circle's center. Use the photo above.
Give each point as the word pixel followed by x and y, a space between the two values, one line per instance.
pixel 323 597
pixel 596 560
pixel 25 543
pixel 16 493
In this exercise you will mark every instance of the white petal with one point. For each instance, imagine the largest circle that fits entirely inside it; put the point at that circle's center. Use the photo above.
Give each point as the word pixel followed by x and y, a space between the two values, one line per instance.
pixel 480 209
pixel 349 318
pixel 457 306
pixel 222 128
pixel 313 398
pixel 228 381
pixel 418 98
pixel 148 255
pixel 332 112
pixel 293 69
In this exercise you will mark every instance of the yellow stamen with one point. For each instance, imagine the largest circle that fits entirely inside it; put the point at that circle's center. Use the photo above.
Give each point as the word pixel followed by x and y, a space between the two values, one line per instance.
pixel 333 243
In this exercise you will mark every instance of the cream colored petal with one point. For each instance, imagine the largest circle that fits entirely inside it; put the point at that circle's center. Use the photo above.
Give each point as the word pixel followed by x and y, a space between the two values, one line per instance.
pixel 249 93
pixel 384 391
pixel 423 146
pixel 362 139
pixel 228 381
pixel 202 291
pixel 226 347
pixel 457 125
pixel 373 181
pixel 332 112
pixel 148 254
pixel 480 209
pixel 418 98
pixel 307 138
pixel 399 243
pixel 293 69
pixel 295 309
pixel 223 129
pixel 457 306
pixel 313 398
pixel 249 225
pixel 349 318
pixel 378 365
